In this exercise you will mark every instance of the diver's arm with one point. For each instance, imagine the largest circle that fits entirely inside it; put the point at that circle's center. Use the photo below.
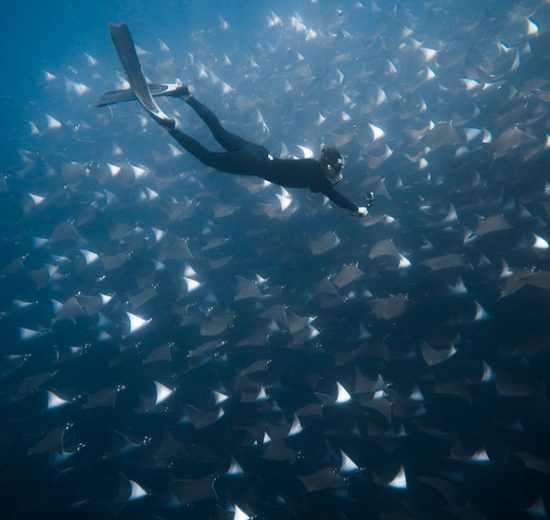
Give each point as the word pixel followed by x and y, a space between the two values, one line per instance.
pixel 340 200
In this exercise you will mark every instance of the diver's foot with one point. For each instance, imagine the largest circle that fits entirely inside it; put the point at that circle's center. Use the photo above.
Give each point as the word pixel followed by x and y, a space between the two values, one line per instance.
pixel 165 121
pixel 181 91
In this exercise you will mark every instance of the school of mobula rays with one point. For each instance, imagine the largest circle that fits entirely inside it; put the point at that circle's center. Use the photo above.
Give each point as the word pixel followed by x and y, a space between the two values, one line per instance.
pixel 180 342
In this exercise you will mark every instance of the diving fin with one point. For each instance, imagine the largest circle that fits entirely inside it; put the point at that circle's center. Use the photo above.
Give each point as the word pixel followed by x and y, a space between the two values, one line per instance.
pixel 126 51
pixel 156 89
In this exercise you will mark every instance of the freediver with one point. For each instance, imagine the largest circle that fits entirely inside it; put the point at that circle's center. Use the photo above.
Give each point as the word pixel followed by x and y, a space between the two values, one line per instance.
pixel 242 157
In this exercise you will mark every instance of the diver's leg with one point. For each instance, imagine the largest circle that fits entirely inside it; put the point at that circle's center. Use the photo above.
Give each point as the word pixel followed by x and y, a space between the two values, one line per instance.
pixel 230 162
pixel 126 51
pixel 230 141
pixel 191 145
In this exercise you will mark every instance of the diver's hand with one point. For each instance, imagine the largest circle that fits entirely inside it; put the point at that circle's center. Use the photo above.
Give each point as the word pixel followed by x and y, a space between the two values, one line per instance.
pixel 361 212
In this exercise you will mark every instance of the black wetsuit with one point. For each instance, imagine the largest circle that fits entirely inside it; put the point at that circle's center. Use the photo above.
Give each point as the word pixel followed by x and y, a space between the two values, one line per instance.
pixel 246 158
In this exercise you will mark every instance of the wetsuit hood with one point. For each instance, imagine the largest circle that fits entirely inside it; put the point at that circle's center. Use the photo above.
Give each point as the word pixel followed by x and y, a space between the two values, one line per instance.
pixel 332 163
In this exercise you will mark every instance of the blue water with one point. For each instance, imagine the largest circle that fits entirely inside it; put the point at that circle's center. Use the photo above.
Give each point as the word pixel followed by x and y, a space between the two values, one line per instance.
pixel 180 342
